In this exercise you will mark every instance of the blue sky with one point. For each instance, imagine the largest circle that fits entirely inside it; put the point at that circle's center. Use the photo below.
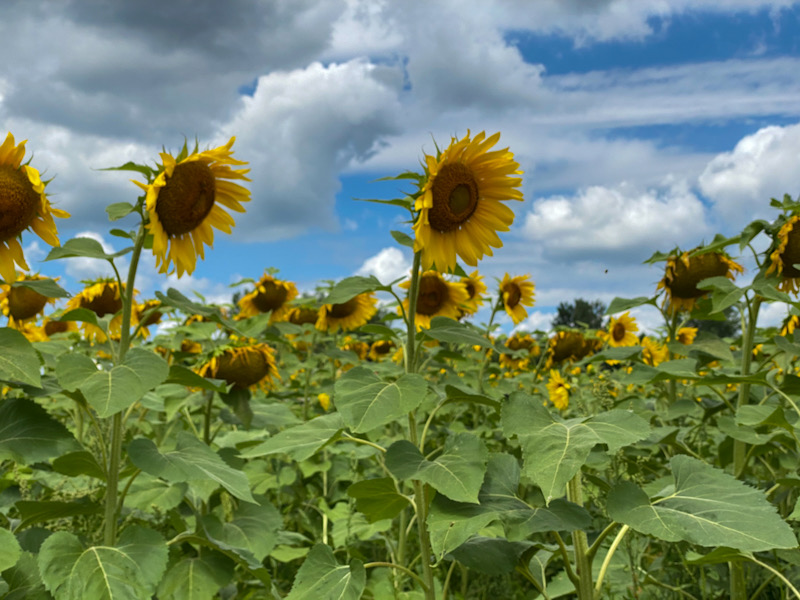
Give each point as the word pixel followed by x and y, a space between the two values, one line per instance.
pixel 640 124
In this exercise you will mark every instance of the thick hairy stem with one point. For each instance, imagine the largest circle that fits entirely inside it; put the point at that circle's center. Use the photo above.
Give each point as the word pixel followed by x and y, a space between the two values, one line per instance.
pixel 583 565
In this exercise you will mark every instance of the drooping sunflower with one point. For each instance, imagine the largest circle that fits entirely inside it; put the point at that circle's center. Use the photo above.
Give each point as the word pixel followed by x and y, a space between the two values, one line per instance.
pixel 348 315
pixel 436 297
pixel 653 353
pixel 461 202
pixel 23 205
pixel 148 313
pixel 558 390
pixel 475 290
pixel 270 294
pixel 360 347
pixel 785 254
pixel 22 304
pixel 242 365
pixel 517 292
pixel 303 315
pixel 185 201
pixel 381 349
pixel 101 296
pixel 683 272
pixel 51 327
pixel 516 342
pixel 570 345
pixel 621 331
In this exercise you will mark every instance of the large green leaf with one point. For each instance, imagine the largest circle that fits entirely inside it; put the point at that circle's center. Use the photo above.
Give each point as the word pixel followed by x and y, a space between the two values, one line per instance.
pixel 46 287
pixel 191 459
pixel 493 556
pixel 148 366
pixel 77 463
pixel 18 360
pixel 109 392
pixel 128 571
pixel 24 581
pixel 300 442
pixel 254 528
pixel 453 523
pixel 457 473
pixel 378 498
pixel 322 578
pixel 448 330
pixel 196 578
pixel 9 550
pixel 73 368
pixel 554 449
pixel 350 287
pixel 28 434
pixel 366 401
pixel 85 247
pixel 707 507
pixel 38 511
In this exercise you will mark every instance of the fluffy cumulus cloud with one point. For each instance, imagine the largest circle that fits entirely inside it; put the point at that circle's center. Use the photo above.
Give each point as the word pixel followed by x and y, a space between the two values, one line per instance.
pixel 763 165
pixel 389 264
pixel 619 223
pixel 298 131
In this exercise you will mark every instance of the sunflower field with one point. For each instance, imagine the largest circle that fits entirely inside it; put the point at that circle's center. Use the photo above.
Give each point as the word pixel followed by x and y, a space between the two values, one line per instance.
pixel 372 439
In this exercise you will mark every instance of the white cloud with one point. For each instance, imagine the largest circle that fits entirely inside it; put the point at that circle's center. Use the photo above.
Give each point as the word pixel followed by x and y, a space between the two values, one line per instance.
pixel 763 165
pixel 536 321
pixel 618 222
pixel 389 264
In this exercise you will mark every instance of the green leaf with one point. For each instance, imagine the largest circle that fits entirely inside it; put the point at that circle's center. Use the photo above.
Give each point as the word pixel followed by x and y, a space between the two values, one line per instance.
pixel 45 287
pixel 446 329
pixel 196 578
pixel 109 392
pixel 378 499
pixel 452 523
pixel 457 473
pixel 73 368
pixel 129 571
pixel 350 287
pixel 191 459
pixel 18 360
pixel 322 578
pixel 708 507
pixel 493 556
pixel 84 315
pixel 555 449
pixel 149 494
pixel 119 210
pixel 28 434
pixel 254 528
pixel 680 368
pixel 303 441
pixel 148 366
pixel 32 512
pixel 177 300
pixel 366 401
pixel 455 395
pixel 716 556
pixel 403 239
pixel 183 376
pixel 619 305
pixel 148 172
pixel 9 550
pixel 24 581
pixel 79 463
pixel 84 247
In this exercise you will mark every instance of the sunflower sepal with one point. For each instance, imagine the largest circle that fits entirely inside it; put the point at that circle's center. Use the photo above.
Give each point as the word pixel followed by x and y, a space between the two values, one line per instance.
pixel 786 204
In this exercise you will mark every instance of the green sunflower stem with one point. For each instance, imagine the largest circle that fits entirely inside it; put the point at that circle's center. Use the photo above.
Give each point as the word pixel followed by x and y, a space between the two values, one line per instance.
pixel 117 425
pixel 583 563
pixel 487 353
pixel 672 334
pixel 413 292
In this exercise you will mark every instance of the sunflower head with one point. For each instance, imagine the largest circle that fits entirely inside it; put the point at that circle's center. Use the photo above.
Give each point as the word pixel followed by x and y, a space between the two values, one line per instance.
pixel 685 270
pixel 621 331
pixel 520 342
pixel 52 328
pixel 23 205
pixel 475 290
pixel 242 366
pixel 785 254
pixel 20 303
pixel 517 292
pixel 686 335
pixel 381 349
pixel 569 345
pixel 270 294
pixel 348 315
pixel 102 297
pixel 460 202
pixel 436 297
pixel 303 315
pixel 186 200
pixel 653 353
pixel 558 390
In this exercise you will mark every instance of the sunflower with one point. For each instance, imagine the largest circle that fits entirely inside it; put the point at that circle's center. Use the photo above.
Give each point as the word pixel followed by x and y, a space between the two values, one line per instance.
pixel 360 348
pixel 380 349
pixel 686 335
pixel 684 272
pixel 475 289
pixel 21 304
pixel 461 202
pixel 52 328
pixel 101 296
pixel 436 297
pixel 558 390
pixel 789 325
pixel 621 331
pixel 653 353
pixel 785 254
pixel 324 401
pixel 242 366
pixel 348 315
pixel 570 345
pixel 270 294
pixel 23 205
pixel 303 315
pixel 520 342
pixel 183 204
pixel 151 313
pixel 516 293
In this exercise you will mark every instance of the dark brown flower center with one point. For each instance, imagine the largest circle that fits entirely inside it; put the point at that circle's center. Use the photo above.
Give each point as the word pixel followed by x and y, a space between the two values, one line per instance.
pixel 243 368
pixel 570 344
pixel 516 343
pixel 270 296
pixel 618 333
pixel 187 198
pixel 345 309
pixel 18 202
pixel 791 254
pixel 512 294
pixel 470 289
pixel 382 347
pixel 455 197
pixel 106 303
pixel 685 279
pixel 433 294
pixel 25 303
pixel 54 327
